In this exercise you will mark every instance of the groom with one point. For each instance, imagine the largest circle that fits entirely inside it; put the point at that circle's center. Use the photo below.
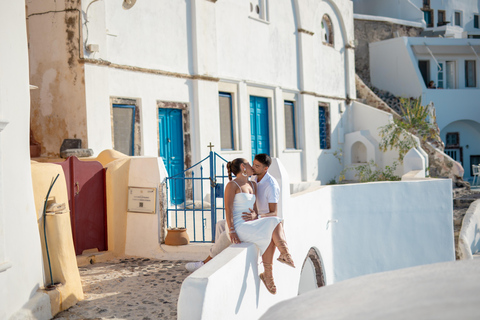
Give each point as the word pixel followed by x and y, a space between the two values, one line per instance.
pixel 268 194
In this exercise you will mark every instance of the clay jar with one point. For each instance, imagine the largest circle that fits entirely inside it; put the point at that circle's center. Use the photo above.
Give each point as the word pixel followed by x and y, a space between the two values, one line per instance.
pixel 177 237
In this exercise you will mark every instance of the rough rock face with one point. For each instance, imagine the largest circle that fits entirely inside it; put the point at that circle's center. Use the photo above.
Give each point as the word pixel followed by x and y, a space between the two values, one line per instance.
pixel 368 31
pixel 371 98
pixel 442 166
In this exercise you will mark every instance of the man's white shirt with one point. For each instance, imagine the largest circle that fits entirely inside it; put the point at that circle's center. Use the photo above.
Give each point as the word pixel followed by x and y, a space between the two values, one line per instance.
pixel 268 191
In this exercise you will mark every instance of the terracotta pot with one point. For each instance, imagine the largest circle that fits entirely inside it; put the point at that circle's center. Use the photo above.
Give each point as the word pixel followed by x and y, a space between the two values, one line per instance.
pixel 177 237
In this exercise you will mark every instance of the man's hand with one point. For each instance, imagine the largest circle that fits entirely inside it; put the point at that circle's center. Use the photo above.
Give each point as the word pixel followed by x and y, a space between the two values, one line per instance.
pixel 248 216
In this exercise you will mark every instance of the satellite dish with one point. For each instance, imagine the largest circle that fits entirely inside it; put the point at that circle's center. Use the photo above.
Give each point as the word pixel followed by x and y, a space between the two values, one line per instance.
pixel 127 4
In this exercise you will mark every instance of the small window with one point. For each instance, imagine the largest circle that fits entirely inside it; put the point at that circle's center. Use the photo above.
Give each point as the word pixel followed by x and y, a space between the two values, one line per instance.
pixel 458 18
pixel 290 136
pixel 259 9
pixel 327 31
pixel 426 3
pixel 226 121
pixel 428 16
pixel 452 139
pixel 475 21
pixel 470 74
pixel 324 125
pixel 424 66
pixel 124 128
pixel 441 18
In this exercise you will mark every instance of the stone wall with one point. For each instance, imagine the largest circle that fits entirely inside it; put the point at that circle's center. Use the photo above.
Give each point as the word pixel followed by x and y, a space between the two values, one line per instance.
pixel 368 31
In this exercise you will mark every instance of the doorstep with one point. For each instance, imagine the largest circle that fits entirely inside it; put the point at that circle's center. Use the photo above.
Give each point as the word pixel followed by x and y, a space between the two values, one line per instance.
pixel 189 252
pixel 91 257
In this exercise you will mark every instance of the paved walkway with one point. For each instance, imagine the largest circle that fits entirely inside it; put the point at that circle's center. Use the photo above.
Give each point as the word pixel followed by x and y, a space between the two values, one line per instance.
pixel 130 288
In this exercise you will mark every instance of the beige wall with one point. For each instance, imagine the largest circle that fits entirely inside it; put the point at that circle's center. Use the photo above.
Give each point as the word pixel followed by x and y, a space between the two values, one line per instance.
pixel 61 251
pixel 55 43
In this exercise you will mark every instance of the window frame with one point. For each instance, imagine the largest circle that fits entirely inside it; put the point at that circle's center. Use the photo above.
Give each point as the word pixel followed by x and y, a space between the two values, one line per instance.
pixel 325 106
pixel 432 17
pixel 328 40
pixel 232 121
pixel 134 117
pixel 136 131
pixel 443 14
pixel 474 74
pixel 294 127
pixel 459 19
pixel 457 138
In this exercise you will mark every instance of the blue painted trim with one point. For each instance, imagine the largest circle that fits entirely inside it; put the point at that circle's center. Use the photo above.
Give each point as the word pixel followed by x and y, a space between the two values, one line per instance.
pixel 322 123
pixel 129 106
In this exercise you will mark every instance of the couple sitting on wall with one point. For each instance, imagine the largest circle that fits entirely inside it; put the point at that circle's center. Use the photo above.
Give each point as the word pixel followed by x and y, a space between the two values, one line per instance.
pixel 251 216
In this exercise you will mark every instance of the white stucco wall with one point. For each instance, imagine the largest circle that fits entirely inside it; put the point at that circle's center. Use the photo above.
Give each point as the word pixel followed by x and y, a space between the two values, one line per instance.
pixel 357 229
pixel 21 265
pixel 398 9
pixel 392 68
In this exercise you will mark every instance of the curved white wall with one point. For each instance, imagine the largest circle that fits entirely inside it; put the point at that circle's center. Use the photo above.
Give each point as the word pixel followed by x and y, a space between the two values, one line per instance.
pixel 358 229
pixel 21 266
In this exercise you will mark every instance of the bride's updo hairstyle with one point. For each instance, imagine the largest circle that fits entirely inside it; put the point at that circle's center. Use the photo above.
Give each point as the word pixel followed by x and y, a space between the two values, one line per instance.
pixel 233 167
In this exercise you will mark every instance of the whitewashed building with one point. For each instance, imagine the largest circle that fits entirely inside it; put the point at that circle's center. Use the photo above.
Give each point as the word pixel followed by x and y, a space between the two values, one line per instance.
pixel 405 67
pixel 134 77
pixel 446 18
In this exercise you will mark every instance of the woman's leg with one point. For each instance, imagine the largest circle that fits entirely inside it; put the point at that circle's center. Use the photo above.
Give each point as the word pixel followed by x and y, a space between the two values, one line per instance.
pixel 267 275
pixel 267 256
pixel 278 238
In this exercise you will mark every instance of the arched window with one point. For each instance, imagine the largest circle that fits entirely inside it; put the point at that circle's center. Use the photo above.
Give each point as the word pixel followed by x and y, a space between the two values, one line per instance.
pixel 327 30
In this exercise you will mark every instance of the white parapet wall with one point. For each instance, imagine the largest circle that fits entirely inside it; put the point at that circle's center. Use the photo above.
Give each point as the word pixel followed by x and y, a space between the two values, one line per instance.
pixel 356 229
pixel 469 238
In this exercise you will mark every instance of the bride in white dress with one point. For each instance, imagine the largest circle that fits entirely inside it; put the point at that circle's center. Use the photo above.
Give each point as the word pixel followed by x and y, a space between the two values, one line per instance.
pixel 266 233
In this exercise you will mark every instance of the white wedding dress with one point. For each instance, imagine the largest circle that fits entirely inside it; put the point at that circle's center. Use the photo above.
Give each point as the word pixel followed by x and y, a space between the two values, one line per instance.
pixel 255 231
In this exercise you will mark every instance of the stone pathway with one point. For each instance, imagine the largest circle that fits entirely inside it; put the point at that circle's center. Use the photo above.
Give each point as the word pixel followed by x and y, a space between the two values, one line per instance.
pixel 130 288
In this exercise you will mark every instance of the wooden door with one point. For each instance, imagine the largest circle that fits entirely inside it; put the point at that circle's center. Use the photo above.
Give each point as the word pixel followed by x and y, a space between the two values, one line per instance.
pixel 87 201
pixel 170 127
pixel 259 125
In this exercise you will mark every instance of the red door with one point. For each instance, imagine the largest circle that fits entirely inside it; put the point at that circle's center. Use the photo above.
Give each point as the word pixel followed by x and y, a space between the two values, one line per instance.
pixel 87 201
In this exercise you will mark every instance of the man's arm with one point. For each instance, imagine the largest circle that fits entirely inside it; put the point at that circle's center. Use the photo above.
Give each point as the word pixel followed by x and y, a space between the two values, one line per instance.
pixel 273 211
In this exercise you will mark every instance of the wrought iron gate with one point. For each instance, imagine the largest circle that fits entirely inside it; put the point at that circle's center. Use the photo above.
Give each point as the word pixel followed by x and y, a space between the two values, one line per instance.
pixel 197 214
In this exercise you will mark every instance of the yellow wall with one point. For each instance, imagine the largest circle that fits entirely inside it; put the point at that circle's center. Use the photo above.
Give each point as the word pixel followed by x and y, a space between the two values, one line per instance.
pixel 59 238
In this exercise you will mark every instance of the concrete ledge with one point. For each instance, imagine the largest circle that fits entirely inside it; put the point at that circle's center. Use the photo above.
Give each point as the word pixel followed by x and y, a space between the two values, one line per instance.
pixel 468 244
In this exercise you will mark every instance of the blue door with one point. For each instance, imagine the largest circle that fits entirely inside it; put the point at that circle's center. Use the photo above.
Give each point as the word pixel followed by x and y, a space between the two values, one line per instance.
pixel 170 124
pixel 259 125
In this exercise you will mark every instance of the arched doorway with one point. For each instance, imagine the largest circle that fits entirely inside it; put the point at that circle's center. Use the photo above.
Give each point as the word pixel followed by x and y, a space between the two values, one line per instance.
pixel 312 275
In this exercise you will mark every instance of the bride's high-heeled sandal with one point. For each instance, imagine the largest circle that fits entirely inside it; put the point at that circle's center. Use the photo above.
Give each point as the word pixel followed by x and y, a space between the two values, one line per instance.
pixel 267 278
pixel 285 257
